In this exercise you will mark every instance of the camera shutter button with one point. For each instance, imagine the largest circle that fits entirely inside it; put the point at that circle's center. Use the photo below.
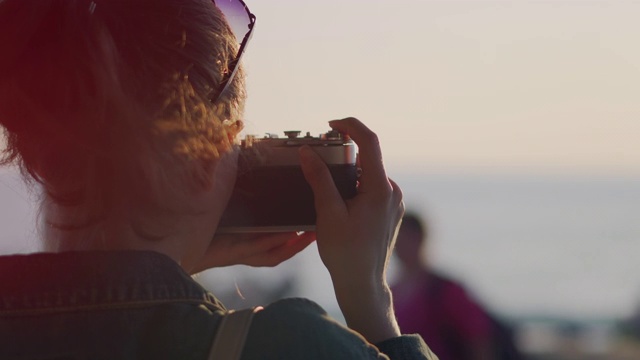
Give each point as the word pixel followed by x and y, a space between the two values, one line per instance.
pixel 292 134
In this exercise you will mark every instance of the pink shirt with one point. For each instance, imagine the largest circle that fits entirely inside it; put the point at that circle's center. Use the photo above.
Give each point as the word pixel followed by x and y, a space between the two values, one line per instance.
pixel 442 312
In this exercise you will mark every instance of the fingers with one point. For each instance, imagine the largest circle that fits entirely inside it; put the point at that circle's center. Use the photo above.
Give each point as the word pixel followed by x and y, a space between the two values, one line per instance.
pixel 396 195
pixel 398 205
pixel 264 242
pixel 373 173
pixel 254 249
pixel 255 244
pixel 326 196
pixel 282 252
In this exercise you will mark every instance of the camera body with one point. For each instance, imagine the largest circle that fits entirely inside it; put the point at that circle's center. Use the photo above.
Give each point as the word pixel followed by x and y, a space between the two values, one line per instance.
pixel 271 193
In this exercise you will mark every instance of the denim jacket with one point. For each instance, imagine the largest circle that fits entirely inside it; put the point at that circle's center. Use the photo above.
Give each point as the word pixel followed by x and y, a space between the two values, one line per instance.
pixel 142 305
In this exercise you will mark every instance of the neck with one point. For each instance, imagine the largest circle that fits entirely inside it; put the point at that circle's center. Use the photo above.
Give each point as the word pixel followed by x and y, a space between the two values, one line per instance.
pixel 114 233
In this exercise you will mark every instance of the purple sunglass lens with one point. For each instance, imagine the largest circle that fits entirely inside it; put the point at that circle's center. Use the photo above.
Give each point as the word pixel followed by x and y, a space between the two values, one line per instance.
pixel 236 15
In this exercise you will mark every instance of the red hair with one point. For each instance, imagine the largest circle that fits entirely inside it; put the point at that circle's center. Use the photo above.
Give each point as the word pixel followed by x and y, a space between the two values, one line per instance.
pixel 102 101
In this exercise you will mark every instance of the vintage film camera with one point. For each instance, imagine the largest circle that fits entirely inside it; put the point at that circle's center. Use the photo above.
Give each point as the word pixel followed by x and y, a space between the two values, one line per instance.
pixel 271 193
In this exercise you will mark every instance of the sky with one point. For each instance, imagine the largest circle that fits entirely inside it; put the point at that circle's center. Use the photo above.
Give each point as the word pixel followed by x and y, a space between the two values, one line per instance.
pixel 457 86
pixel 463 86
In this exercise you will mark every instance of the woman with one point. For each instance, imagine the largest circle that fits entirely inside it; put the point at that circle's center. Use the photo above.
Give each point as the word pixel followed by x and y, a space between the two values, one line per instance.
pixel 126 113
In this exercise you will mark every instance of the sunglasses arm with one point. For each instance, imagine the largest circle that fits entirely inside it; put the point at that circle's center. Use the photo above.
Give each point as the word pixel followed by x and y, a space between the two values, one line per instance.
pixel 234 65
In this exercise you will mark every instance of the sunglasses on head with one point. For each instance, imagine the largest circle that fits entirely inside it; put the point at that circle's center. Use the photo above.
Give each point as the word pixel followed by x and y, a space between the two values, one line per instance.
pixel 241 21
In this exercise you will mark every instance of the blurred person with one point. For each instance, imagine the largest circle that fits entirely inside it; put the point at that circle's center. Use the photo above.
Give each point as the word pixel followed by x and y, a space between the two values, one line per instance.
pixel 429 303
pixel 126 115
pixel 631 325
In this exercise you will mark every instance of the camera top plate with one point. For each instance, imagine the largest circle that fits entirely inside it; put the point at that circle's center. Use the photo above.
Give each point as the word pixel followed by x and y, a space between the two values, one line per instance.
pixel 333 147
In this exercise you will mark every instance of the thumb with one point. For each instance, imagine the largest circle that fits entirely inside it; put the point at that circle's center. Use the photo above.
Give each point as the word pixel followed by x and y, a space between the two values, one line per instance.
pixel 315 171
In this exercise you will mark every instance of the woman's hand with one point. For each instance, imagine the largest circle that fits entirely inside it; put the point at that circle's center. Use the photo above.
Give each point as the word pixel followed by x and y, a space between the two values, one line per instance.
pixel 253 249
pixel 356 237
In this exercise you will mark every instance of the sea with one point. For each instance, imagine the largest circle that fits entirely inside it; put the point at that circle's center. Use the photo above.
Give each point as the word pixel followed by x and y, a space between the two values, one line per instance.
pixel 523 245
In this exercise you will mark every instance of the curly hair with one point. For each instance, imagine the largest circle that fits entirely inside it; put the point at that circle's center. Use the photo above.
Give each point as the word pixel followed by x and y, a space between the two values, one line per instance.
pixel 107 100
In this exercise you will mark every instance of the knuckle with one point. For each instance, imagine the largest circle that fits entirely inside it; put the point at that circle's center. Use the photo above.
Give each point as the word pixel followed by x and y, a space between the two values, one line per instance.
pixel 401 209
pixel 387 192
pixel 397 193
pixel 373 138
pixel 398 196
pixel 384 194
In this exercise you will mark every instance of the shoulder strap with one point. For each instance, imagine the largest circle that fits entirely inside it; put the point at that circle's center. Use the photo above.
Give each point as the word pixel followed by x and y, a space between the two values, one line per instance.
pixel 228 342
